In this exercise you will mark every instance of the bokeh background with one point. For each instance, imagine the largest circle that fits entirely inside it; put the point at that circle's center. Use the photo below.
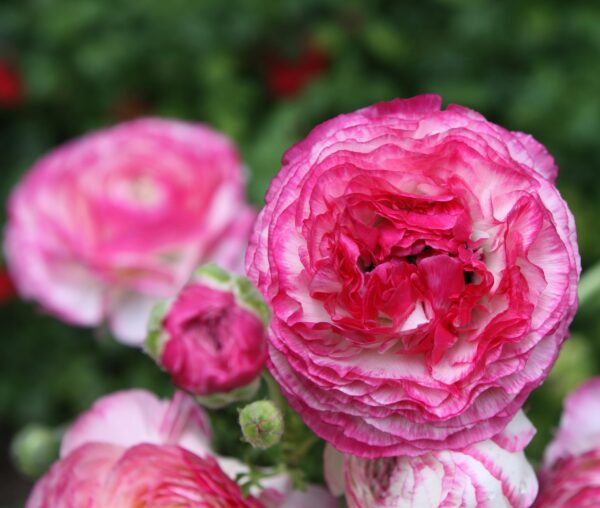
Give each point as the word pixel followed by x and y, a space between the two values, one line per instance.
pixel 265 72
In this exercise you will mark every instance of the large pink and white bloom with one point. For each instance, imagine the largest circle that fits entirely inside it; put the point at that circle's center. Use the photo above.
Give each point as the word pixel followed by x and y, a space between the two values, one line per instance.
pixel 211 338
pixel 570 474
pixel 131 447
pixel 104 226
pixel 490 474
pixel 422 271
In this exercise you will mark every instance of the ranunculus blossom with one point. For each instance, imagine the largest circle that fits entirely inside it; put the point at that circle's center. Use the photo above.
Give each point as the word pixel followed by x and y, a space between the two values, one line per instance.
pixel 490 474
pixel 131 439
pixel 579 429
pixel 131 417
pixel 422 272
pixel 212 338
pixel 101 475
pixel 570 476
pixel 105 226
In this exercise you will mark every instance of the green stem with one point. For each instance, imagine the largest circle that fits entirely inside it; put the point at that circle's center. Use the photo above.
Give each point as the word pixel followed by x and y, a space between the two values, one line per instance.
pixel 302 449
pixel 274 390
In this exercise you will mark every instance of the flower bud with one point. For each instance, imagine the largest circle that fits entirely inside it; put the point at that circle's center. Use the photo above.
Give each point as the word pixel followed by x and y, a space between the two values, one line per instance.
pixel 34 448
pixel 211 337
pixel 262 424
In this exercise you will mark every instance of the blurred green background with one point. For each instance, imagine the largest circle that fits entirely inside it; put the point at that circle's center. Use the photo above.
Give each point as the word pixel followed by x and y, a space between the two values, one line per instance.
pixel 265 72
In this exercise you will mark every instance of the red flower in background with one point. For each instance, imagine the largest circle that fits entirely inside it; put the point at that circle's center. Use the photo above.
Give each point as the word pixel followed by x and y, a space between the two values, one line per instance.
pixel 129 107
pixel 11 86
pixel 7 288
pixel 287 77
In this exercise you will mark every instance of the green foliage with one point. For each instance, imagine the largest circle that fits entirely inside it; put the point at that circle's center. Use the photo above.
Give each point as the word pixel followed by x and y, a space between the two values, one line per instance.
pixel 531 66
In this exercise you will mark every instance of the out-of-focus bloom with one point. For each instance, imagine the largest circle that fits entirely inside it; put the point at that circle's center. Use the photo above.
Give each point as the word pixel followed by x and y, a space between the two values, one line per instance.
pixel 129 107
pixel 211 339
pixel 131 431
pixel 422 271
pixel 261 423
pixel 131 417
pixel 579 429
pixel 490 474
pixel 107 225
pixel 286 77
pixel 570 476
pixel 99 475
pixel 11 86
pixel 7 288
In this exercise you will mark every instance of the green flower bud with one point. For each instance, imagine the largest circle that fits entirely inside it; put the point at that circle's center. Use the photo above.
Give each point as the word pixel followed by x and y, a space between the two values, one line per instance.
pixel 262 424
pixel 35 448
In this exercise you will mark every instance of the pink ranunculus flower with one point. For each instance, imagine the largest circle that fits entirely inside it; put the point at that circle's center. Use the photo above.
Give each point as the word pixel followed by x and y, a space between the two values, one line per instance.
pixel 138 425
pixel 570 476
pixel 130 417
pixel 579 429
pixel 573 482
pixel 106 225
pixel 422 271
pixel 490 474
pixel 212 337
pixel 101 475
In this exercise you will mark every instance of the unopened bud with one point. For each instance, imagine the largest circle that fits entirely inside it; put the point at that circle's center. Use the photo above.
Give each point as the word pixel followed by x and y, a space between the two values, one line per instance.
pixel 211 337
pixel 262 424
pixel 35 448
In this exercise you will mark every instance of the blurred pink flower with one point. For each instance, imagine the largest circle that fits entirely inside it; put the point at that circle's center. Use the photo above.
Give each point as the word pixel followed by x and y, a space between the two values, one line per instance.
pixel 104 451
pixel 100 475
pixel 212 337
pixel 570 476
pixel 131 417
pixel 422 271
pixel 104 226
pixel 579 429
pixel 490 474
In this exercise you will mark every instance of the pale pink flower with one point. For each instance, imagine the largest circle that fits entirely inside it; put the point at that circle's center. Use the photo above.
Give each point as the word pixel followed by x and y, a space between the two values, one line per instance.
pixel 131 417
pixel 579 429
pixel 570 476
pixel 100 475
pixel 490 474
pixel 422 271
pixel 104 226
pixel 131 440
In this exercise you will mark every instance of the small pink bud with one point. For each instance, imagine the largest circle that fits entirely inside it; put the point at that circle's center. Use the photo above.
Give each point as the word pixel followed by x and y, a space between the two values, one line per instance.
pixel 211 338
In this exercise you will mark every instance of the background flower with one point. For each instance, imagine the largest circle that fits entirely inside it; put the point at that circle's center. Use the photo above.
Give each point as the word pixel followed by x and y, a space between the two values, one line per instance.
pixel 100 475
pixel 422 270
pixel 131 446
pixel 570 475
pixel 103 227
pixel 132 417
pixel 491 474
